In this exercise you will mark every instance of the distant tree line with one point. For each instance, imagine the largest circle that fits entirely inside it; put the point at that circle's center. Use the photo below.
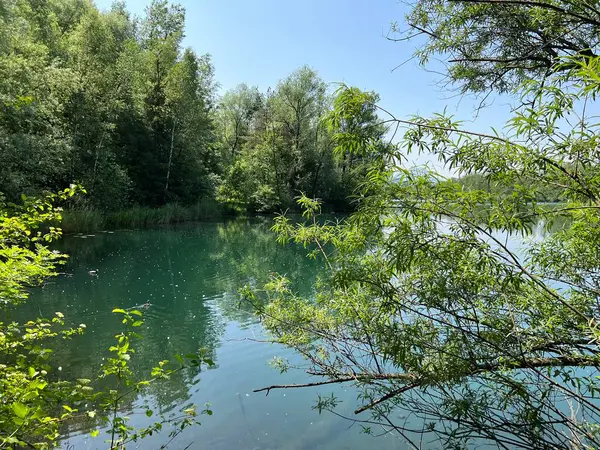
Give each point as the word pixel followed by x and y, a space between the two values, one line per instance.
pixel 115 103
pixel 545 193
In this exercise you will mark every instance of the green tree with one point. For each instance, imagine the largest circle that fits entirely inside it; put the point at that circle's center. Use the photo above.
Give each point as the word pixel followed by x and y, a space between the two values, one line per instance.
pixel 34 92
pixel 106 100
pixel 235 117
pixel 192 156
pixel 280 146
pixel 94 46
pixel 496 45
pixel 298 105
pixel 426 306
pixel 162 32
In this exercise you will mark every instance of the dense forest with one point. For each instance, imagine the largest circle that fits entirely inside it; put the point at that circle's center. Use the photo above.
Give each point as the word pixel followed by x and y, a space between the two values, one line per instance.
pixel 115 103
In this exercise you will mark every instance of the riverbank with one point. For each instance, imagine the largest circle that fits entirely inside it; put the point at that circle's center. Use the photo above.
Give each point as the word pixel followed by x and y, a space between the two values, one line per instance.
pixel 88 220
pixel 140 217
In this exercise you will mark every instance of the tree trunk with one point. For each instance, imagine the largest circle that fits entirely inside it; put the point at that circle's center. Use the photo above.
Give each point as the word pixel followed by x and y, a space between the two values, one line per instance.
pixel 98 147
pixel 319 165
pixel 170 161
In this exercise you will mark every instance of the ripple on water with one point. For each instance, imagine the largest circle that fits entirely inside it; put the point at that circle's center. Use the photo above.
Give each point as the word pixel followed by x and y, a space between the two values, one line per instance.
pixel 191 276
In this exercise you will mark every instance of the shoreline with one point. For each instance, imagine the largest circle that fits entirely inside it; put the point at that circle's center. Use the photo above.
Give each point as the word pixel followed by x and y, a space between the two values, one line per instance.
pixel 76 221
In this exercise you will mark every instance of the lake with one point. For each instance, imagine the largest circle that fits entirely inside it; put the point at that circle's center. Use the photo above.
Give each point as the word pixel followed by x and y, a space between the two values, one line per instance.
pixel 190 275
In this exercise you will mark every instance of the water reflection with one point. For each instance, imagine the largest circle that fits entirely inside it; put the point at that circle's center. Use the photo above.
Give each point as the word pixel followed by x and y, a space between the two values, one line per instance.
pixel 190 276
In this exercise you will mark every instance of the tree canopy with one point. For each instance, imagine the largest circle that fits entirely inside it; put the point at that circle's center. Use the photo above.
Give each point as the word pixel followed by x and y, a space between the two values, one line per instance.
pixel 427 307
pixel 114 102
pixel 497 44
pixel 92 97
pixel 278 146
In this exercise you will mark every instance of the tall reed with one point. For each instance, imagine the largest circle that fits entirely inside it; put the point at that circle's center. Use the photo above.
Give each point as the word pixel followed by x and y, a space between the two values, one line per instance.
pixel 87 220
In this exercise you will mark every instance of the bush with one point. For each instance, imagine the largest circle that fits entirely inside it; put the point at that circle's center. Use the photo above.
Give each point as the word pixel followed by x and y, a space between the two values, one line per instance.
pixel 33 404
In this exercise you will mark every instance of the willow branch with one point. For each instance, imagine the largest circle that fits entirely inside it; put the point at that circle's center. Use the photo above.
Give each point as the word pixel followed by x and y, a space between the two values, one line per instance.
pixel 534 4
pixel 360 378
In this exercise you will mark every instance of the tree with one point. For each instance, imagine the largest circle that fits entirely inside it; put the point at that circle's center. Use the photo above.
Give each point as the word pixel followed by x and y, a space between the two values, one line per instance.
pixel 162 31
pixel 496 45
pixel 427 309
pixel 188 99
pixel 33 93
pixel 106 100
pixel 94 46
pixel 236 113
pixel 299 103
pixel 281 147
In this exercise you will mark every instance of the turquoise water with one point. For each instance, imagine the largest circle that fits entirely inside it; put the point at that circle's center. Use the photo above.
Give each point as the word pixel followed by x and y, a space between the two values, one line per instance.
pixel 190 276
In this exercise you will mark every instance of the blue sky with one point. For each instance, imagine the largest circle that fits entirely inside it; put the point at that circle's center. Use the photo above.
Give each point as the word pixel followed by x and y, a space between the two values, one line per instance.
pixel 262 41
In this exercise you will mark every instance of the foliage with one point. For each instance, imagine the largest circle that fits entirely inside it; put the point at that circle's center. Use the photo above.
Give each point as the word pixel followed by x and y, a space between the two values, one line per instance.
pixel 237 110
pixel 34 401
pixel 278 146
pixel 25 261
pixel 496 45
pixel 107 100
pixel 114 102
pixel 24 371
pixel 426 306
pixel 117 368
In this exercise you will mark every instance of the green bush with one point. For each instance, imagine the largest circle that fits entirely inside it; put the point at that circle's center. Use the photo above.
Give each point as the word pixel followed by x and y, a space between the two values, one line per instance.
pixel 34 404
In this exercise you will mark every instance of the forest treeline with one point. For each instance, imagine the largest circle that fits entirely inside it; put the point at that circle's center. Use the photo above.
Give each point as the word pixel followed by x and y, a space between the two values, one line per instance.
pixel 544 193
pixel 115 103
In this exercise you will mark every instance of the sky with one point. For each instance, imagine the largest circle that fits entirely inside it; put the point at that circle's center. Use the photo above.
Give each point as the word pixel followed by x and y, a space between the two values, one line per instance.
pixel 260 42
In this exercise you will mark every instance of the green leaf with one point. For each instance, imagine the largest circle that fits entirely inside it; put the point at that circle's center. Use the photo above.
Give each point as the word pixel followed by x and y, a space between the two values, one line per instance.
pixel 18 421
pixel 30 396
pixel 209 362
pixel 94 433
pixel 37 384
pixel 119 311
pixel 20 409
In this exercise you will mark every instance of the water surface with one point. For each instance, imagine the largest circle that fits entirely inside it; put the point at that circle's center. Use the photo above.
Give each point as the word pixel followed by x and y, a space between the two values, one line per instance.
pixel 190 275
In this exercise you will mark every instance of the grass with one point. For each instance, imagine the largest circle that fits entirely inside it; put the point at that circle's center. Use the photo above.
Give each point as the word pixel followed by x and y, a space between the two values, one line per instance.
pixel 87 220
